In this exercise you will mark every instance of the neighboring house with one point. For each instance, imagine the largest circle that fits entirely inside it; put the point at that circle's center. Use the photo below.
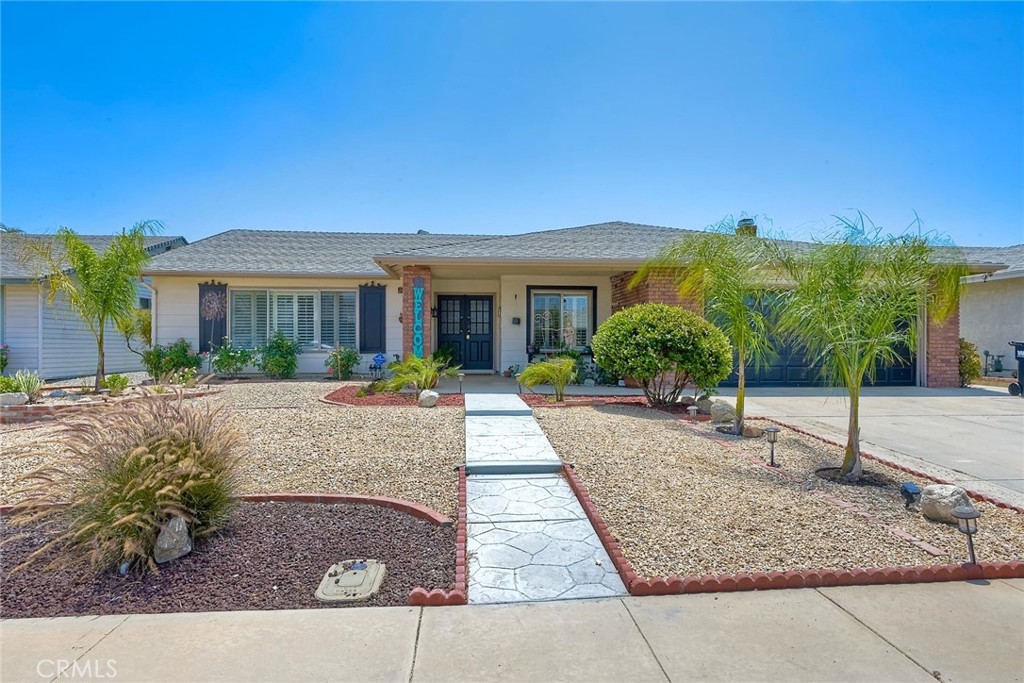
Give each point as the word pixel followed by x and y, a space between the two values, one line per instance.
pixel 992 305
pixel 493 300
pixel 50 339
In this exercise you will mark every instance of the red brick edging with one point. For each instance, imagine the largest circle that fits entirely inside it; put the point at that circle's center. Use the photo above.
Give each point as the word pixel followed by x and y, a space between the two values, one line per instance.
pixel 807 578
pixel 408 507
pixel 438 597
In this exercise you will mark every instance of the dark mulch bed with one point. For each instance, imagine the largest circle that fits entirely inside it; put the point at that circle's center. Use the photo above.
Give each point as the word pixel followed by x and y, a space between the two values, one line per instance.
pixel 347 394
pixel 284 545
pixel 547 401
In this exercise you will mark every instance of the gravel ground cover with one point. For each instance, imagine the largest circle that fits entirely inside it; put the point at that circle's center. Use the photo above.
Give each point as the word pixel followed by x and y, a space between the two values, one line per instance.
pixel 272 557
pixel 295 443
pixel 680 502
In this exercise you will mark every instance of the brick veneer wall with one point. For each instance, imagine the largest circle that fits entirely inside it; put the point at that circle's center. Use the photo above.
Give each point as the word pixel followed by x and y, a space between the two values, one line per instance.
pixel 410 273
pixel 658 288
pixel 943 352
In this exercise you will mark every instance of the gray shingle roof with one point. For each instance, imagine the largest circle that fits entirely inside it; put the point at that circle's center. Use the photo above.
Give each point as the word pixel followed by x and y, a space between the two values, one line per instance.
pixel 18 263
pixel 283 252
pixel 615 241
pixel 1012 256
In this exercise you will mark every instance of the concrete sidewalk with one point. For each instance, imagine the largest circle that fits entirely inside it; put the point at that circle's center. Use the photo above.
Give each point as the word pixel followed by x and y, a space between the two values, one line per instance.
pixel 921 632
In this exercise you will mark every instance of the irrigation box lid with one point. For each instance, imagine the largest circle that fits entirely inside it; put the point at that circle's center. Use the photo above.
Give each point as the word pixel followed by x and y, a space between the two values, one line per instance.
pixel 351 580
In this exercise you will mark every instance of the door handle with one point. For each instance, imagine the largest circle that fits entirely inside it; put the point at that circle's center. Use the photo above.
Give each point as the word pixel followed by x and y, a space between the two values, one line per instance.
pixel 467 336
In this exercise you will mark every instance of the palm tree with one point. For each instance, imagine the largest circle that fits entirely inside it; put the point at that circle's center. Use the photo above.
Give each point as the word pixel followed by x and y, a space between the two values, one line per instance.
pixel 856 301
pixel 100 287
pixel 724 268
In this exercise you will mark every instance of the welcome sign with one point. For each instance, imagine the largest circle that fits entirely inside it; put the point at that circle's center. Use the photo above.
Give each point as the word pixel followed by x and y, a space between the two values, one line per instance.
pixel 417 317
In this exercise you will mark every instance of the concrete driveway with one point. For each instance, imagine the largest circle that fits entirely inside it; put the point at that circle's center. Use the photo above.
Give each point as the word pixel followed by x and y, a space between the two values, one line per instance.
pixel 973 435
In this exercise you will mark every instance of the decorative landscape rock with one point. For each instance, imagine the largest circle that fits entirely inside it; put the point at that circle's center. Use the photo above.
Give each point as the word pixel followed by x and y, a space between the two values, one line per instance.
pixel 428 398
pixel 753 432
pixel 17 398
pixel 704 405
pixel 722 412
pixel 588 382
pixel 173 541
pixel 938 501
pixel 57 393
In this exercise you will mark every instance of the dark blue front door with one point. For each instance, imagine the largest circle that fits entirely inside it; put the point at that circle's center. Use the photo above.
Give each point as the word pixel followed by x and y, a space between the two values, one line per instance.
pixel 465 324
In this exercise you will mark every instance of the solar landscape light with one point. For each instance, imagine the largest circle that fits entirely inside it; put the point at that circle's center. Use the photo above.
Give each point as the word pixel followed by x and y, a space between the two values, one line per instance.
pixel 967 522
pixel 773 435
pixel 911 493
pixel 462 376
pixel 692 412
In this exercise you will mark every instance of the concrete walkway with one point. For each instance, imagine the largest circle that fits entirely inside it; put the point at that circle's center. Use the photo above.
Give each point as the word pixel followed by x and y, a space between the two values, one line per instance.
pixel 972 436
pixel 954 632
pixel 528 537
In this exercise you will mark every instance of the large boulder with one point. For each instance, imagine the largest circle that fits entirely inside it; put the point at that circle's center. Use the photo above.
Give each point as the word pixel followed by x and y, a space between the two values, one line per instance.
pixel 17 398
pixel 938 501
pixel 704 405
pixel 428 398
pixel 173 541
pixel 722 412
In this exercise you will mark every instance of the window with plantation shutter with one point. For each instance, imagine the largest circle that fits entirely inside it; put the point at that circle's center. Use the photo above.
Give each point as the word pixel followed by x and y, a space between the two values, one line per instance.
pixel 284 315
pixel 337 319
pixel 248 319
pixel 317 320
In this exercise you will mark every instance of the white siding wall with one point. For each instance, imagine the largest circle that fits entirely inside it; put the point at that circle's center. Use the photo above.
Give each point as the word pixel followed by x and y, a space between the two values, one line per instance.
pixel 992 314
pixel 69 348
pixel 513 305
pixel 21 326
pixel 177 310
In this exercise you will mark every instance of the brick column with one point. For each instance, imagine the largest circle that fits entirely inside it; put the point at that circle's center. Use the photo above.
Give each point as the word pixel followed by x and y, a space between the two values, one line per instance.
pixel 410 274
pixel 657 288
pixel 943 352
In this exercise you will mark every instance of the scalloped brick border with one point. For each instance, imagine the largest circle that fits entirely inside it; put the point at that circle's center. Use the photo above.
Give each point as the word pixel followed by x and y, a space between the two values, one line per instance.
pixel 902 468
pixel 421 597
pixel 406 506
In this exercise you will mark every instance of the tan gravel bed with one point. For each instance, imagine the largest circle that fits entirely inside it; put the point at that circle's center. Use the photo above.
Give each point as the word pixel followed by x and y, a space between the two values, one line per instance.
pixel 295 443
pixel 680 503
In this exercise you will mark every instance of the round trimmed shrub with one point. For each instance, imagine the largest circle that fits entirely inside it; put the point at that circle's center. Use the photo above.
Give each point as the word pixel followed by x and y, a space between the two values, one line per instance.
pixel 663 348
pixel 124 474
pixel 969 362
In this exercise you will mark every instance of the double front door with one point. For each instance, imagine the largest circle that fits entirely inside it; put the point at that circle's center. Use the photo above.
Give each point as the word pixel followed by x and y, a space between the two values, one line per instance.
pixel 465 325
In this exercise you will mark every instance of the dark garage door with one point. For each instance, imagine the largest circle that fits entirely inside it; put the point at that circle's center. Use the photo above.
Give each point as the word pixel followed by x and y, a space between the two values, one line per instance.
pixel 790 368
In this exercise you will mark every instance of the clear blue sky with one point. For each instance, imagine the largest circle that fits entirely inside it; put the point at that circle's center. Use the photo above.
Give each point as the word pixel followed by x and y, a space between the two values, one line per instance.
pixel 512 117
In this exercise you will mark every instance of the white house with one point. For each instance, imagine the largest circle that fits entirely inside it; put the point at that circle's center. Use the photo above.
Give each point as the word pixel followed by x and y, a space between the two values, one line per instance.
pixel 992 305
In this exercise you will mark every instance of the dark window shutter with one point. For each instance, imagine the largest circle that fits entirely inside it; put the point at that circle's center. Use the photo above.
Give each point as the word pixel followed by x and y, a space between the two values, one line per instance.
pixel 371 319
pixel 213 315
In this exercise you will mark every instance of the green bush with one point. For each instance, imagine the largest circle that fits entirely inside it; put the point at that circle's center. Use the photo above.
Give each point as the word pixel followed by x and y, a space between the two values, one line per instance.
pixel 124 474
pixel 116 384
pixel 176 357
pixel 421 373
pixel 5 353
pixel 970 363
pixel 279 357
pixel 28 382
pixel 663 348
pixel 559 372
pixel 341 361
pixel 230 360
pixel 8 385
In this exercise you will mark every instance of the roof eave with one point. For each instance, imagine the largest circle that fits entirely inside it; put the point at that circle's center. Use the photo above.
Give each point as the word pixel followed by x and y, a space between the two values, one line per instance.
pixel 252 273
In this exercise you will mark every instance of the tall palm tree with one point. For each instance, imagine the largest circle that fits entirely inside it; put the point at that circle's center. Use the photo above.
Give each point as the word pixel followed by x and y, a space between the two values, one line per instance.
pixel 725 270
pixel 100 287
pixel 856 301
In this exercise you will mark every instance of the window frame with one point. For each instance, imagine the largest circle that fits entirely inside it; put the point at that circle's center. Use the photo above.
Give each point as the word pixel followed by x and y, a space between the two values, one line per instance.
pixel 561 291
pixel 272 293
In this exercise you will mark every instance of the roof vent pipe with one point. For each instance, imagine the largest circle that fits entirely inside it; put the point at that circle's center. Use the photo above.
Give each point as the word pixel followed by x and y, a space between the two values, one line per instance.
pixel 746 227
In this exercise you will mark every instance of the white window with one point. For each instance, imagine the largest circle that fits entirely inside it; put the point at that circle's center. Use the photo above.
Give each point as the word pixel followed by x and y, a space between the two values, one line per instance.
pixel 317 320
pixel 562 320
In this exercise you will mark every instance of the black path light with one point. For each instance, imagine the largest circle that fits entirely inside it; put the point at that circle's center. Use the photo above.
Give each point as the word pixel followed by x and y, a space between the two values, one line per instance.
pixel 462 376
pixel 773 435
pixel 967 522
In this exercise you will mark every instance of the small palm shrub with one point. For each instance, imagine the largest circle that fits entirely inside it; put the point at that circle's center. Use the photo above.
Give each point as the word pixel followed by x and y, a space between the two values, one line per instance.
pixel 116 384
pixel 969 363
pixel 559 372
pixel 420 373
pixel 123 475
pixel 230 360
pixel 28 382
pixel 341 361
pixel 664 348
pixel 279 357
pixel 176 357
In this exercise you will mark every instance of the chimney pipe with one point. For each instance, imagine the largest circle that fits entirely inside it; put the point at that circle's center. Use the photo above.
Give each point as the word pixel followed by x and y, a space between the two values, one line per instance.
pixel 746 227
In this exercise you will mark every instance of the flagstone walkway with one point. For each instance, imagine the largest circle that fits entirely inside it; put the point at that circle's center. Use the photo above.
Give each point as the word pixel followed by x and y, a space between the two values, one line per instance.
pixel 528 538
